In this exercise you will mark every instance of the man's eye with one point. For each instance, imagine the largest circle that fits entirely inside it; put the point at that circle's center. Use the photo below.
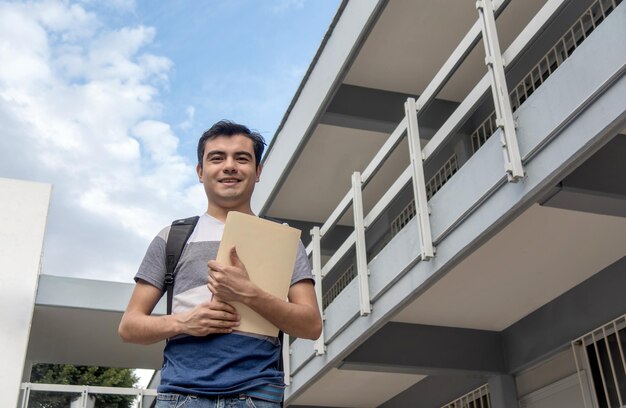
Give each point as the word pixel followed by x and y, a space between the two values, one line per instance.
pixel 215 158
pixel 243 159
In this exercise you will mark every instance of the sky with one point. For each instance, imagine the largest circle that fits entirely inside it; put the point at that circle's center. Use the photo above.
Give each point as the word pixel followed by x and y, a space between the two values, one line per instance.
pixel 105 100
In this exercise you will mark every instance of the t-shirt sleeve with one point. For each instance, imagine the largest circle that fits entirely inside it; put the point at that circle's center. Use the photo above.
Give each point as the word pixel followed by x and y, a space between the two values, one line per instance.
pixel 152 268
pixel 302 269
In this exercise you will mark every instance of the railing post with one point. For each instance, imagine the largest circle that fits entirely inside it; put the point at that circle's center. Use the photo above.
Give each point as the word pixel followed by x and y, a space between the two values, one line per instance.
pixel 499 90
pixel 286 358
pixel 26 395
pixel 84 397
pixel 427 251
pixel 316 257
pixel 365 308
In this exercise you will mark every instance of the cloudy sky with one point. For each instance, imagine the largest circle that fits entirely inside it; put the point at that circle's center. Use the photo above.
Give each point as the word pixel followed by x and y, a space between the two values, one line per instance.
pixel 105 100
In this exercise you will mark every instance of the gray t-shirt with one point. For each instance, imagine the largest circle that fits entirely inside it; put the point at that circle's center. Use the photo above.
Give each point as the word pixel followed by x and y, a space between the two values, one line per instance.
pixel 190 288
pixel 219 363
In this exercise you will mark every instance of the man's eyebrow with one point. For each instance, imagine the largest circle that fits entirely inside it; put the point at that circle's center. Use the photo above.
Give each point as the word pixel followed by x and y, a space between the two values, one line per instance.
pixel 243 153
pixel 214 152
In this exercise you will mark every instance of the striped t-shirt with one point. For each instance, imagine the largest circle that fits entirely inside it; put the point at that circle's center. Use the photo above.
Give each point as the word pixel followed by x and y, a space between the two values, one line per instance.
pixel 217 364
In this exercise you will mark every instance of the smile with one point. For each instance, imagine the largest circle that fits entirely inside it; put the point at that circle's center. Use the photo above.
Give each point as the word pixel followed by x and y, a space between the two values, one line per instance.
pixel 229 181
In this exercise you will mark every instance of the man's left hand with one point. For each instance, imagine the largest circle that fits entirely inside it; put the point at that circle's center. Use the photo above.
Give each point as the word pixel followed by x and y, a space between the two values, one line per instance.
pixel 230 282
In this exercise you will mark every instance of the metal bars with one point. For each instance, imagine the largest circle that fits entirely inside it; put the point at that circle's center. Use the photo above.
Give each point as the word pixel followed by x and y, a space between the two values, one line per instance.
pixel 316 238
pixel 365 308
pixel 599 355
pixel 546 66
pixel 478 398
pixel 427 251
pixel 84 390
pixel 504 114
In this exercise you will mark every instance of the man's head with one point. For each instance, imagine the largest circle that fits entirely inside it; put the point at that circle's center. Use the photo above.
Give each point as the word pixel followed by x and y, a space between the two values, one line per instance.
pixel 229 128
pixel 229 166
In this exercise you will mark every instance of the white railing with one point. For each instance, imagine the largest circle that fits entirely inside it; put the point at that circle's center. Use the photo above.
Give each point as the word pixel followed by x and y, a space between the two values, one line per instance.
pixel 83 392
pixel 561 51
pixel 408 126
pixel 478 398
pixel 600 361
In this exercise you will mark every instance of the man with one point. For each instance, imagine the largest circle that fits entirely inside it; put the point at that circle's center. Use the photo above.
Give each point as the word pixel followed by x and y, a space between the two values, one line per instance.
pixel 206 361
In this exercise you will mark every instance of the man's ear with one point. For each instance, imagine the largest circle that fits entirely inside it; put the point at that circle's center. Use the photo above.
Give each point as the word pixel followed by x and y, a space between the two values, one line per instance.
pixel 199 171
pixel 258 172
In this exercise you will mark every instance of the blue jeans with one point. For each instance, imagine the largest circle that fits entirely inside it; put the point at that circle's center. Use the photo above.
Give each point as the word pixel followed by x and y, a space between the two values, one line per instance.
pixel 227 401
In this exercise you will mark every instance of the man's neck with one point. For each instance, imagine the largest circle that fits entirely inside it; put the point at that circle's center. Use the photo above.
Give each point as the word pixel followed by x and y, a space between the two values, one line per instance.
pixel 220 213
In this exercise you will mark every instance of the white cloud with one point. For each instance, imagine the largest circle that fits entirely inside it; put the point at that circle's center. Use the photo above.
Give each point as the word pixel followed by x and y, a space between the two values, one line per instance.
pixel 188 123
pixel 79 108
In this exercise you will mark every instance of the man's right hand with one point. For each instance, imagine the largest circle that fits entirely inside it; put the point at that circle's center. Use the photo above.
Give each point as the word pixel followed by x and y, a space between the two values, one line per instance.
pixel 140 327
pixel 209 318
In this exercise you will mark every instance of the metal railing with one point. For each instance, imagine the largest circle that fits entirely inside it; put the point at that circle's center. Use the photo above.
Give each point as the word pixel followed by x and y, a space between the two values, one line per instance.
pixel 339 285
pixel 83 392
pixel 478 398
pixel 496 62
pixel 599 355
pixel 589 20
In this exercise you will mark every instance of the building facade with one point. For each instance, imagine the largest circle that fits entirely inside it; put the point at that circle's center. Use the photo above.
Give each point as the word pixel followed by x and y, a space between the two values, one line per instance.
pixel 458 171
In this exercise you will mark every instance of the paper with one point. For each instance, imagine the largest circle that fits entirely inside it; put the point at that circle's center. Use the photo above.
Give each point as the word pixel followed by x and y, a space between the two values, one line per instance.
pixel 268 250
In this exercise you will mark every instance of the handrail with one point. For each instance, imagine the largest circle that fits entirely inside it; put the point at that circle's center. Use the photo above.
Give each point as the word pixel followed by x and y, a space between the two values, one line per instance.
pixel 462 111
pixel 83 391
pixel 454 121
pixel 372 168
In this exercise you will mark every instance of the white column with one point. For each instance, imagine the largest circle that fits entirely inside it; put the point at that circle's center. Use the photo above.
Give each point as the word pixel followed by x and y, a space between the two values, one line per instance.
pixel 23 214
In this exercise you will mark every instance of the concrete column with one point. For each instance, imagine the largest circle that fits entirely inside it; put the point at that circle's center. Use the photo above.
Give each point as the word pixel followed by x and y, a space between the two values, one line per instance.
pixel 503 391
pixel 23 213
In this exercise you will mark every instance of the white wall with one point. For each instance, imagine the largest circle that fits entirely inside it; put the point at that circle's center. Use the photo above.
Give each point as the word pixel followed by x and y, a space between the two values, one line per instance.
pixel 23 213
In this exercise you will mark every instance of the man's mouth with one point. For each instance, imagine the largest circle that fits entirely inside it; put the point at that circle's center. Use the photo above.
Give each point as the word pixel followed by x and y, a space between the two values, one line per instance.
pixel 229 181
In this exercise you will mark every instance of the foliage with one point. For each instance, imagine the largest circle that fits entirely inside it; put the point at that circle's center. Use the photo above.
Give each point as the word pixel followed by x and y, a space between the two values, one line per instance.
pixel 80 375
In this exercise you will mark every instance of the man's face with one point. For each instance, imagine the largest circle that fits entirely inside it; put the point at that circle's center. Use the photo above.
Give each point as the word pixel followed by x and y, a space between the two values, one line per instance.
pixel 229 171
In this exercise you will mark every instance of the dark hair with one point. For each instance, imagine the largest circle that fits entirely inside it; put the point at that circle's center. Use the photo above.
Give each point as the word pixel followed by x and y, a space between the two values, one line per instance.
pixel 230 128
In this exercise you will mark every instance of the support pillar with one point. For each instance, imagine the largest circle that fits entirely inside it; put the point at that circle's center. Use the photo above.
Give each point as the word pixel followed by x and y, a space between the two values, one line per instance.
pixel 503 391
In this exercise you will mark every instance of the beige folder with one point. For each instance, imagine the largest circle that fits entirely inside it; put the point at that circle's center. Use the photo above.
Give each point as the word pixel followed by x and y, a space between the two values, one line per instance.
pixel 268 250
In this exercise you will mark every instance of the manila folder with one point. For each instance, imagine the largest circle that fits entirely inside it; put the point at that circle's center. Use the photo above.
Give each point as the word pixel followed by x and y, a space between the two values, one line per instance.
pixel 268 250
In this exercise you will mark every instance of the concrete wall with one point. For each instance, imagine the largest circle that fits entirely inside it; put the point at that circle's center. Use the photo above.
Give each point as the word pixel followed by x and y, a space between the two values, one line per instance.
pixel 23 213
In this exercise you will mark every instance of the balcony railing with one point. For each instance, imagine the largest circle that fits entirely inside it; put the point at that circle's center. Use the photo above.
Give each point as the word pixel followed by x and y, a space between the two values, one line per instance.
pixel 561 51
pixel 600 361
pixel 83 393
pixel 502 124
pixel 536 76
pixel 478 398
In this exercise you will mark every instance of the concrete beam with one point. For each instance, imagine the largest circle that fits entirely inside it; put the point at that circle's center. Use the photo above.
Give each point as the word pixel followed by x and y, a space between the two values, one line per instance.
pixel 422 349
pixel 598 185
pixel 434 392
pixel 380 110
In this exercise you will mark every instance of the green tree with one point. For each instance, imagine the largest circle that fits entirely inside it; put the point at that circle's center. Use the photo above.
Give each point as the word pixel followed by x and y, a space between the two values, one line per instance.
pixel 80 375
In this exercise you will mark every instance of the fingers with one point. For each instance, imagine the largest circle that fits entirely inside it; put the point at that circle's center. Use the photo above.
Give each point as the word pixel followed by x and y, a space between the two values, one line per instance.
pixel 211 317
pixel 220 305
pixel 234 257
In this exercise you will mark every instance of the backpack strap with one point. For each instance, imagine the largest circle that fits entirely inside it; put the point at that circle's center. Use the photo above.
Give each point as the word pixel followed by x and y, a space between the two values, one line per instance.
pixel 180 231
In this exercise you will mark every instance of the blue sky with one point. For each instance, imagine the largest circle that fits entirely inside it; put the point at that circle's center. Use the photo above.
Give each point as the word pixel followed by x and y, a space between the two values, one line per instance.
pixel 106 100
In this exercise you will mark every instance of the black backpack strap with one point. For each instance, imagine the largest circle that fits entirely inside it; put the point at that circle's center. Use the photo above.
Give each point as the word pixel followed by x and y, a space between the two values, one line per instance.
pixel 180 231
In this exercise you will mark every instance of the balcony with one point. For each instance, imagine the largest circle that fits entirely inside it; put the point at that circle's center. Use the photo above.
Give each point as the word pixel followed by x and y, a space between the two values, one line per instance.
pixel 432 228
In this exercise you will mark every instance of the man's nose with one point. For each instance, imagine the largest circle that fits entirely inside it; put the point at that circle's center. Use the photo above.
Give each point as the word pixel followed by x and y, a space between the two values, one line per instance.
pixel 230 165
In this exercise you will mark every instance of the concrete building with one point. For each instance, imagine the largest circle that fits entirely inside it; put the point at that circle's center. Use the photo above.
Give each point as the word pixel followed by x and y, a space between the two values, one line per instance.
pixel 458 171
pixel 461 166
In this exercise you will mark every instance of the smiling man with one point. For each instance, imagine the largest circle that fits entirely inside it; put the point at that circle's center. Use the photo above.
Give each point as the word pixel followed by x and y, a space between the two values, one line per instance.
pixel 207 362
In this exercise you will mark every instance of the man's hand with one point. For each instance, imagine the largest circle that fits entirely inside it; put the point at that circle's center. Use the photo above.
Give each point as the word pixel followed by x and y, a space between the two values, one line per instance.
pixel 231 283
pixel 299 317
pixel 209 318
